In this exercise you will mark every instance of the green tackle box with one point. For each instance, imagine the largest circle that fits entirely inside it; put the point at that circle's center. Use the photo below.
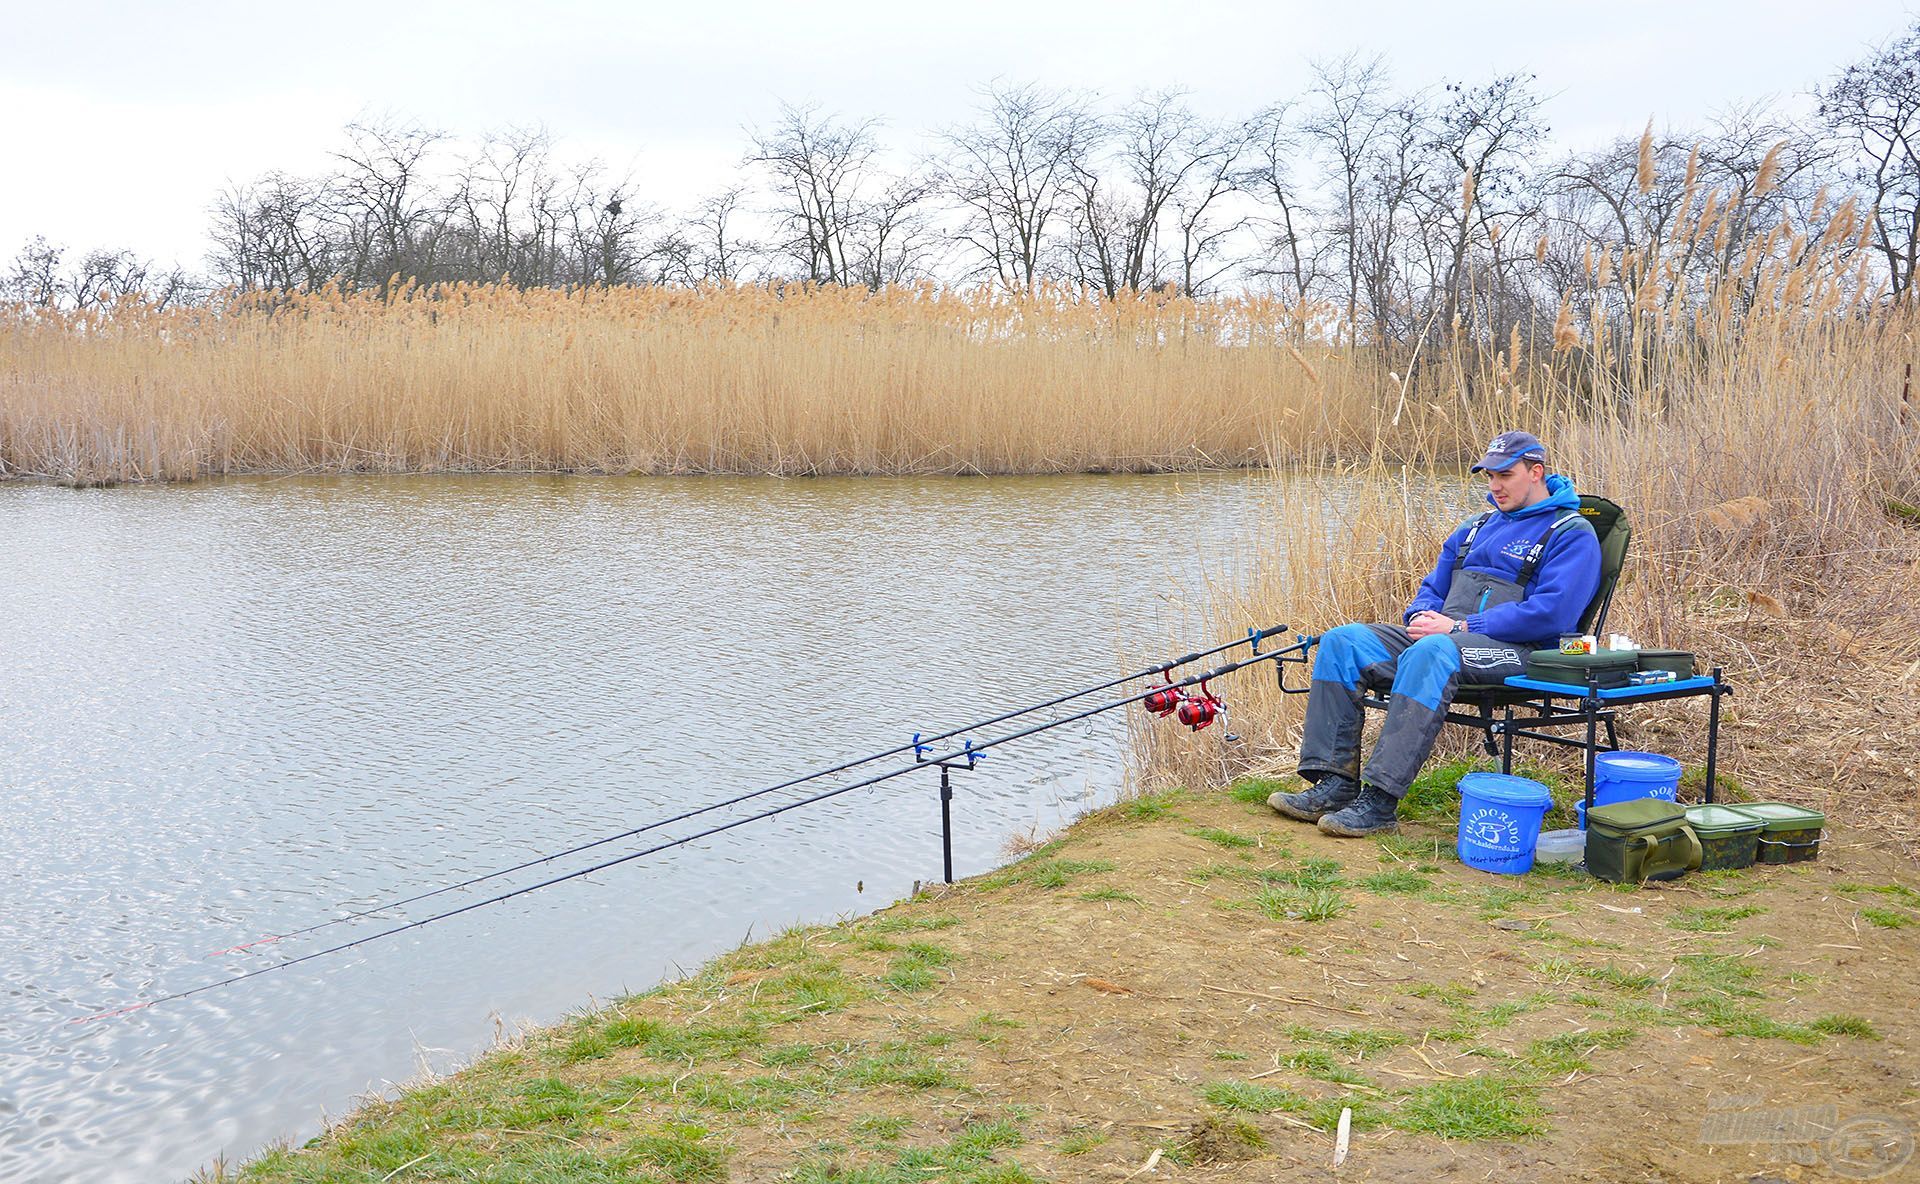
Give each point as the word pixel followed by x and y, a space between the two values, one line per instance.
pixel 1791 834
pixel 1644 839
pixel 1610 668
pixel 1729 837
pixel 1679 661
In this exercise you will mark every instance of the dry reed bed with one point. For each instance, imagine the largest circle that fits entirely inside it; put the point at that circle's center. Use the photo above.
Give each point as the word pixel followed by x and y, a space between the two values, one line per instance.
pixel 794 380
pixel 1770 470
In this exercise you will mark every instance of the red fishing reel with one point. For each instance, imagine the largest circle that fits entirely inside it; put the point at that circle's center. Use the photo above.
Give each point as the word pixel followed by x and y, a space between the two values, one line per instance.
pixel 1163 701
pixel 1199 711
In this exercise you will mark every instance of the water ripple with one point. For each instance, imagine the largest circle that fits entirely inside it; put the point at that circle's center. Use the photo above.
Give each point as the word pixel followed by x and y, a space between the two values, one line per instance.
pixel 242 707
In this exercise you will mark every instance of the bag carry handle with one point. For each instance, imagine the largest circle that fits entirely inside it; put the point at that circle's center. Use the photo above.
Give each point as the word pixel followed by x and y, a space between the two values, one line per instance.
pixel 1695 852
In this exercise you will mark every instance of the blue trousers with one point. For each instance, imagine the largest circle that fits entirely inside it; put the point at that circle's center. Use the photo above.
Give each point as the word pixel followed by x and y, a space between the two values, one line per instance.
pixel 1422 677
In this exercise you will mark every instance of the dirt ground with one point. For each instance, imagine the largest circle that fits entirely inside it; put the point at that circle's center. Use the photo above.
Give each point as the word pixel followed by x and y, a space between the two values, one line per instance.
pixel 1189 987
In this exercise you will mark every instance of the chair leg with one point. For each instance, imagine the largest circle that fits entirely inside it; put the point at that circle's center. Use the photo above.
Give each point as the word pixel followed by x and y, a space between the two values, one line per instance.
pixel 1613 738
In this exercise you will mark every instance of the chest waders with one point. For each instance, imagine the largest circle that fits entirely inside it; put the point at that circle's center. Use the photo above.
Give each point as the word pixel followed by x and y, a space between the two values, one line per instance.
pixel 1420 674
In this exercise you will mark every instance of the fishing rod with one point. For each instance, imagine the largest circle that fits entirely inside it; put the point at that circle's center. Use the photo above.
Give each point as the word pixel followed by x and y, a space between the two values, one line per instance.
pixel 966 756
pixel 918 744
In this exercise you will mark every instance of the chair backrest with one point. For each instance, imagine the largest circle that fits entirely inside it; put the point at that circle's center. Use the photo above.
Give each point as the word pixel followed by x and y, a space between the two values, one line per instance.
pixel 1609 523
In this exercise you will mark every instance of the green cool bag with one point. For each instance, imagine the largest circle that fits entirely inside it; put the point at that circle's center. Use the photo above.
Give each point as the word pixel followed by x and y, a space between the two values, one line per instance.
pixel 1610 668
pixel 1644 839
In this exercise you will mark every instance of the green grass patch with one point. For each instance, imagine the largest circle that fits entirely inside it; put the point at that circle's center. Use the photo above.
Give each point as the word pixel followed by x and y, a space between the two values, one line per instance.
pixel 1301 904
pixel 1845 1025
pixel 1050 873
pixel 918 967
pixel 1368 1115
pixel 1567 1053
pixel 881 1128
pixel 1252 1097
pixel 1718 974
pixel 1443 992
pixel 1319 1064
pixel 1733 1019
pixel 1254 791
pixel 1223 838
pixel 1313 873
pixel 1395 881
pixel 1435 793
pixel 1360 1042
pixel 677 1151
pixel 1899 892
pixel 816 990
pixel 1618 978
pixel 1117 895
pixel 1486 1107
pixel 1149 807
pixel 1886 918
pixel 787 1055
pixel 1705 920
pixel 899 1064
pixel 969 1158
pixel 910 923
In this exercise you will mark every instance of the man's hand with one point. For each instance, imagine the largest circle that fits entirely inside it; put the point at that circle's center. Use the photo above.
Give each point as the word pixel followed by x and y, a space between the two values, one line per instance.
pixel 1427 623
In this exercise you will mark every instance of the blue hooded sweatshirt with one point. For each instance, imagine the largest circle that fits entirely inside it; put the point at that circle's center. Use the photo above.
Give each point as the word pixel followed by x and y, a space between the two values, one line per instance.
pixel 1563 584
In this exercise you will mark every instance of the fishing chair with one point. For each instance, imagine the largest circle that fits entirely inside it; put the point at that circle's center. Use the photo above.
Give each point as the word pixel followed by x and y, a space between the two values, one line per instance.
pixel 1489 710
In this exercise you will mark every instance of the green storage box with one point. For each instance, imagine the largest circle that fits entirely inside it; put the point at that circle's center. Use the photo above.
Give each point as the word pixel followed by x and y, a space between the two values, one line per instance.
pixel 1791 834
pixel 1610 668
pixel 1729 837
pixel 1644 839
pixel 1678 661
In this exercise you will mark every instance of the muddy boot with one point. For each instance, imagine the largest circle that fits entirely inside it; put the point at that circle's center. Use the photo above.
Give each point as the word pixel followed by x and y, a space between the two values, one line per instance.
pixel 1373 812
pixel 1330 793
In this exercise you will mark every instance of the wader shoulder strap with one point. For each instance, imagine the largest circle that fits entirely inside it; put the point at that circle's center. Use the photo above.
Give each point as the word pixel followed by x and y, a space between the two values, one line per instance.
pixel 1466 544
pixel 1539 547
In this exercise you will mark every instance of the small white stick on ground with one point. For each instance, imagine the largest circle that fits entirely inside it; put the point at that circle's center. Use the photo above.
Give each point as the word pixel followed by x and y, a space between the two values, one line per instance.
pixel 1343 1136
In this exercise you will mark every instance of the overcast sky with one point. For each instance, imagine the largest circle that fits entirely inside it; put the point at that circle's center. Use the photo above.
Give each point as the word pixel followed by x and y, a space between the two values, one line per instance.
pixel 122 120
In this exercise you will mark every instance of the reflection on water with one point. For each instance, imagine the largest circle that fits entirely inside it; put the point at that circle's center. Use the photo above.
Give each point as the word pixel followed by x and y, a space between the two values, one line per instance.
pixel 237 708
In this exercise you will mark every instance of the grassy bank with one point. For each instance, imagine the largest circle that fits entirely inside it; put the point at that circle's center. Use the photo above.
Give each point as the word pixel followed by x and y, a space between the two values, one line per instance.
pixel 1188 979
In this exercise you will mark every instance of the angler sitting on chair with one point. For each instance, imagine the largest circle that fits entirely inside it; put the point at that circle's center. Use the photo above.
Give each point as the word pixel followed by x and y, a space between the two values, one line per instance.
pixel 1508 581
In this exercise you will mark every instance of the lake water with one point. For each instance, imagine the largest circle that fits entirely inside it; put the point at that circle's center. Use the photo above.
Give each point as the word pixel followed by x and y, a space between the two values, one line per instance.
pixel 242 707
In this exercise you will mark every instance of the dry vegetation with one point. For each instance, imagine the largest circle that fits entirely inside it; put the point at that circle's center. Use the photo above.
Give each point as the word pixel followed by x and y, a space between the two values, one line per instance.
pixel 1763 438
pixel 791 380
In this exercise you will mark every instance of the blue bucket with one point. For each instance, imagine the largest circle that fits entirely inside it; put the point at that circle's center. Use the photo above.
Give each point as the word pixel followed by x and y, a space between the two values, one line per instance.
pixel 1500 819
pixel 1627 776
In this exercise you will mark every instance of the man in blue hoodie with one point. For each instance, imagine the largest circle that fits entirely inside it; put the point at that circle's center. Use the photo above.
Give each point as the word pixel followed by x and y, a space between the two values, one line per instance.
pixel 1509 580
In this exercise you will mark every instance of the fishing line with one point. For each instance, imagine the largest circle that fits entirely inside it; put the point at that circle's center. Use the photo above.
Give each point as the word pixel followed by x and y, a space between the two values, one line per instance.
pixel 967 755
pixel 1254 638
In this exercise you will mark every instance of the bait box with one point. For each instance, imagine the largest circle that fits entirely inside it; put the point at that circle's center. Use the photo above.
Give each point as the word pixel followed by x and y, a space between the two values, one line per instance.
pixel 1791 833
pixel 1729 837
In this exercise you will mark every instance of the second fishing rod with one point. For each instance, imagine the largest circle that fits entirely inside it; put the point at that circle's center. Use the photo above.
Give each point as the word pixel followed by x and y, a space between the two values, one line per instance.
pixel 1155 699
pixel 919 744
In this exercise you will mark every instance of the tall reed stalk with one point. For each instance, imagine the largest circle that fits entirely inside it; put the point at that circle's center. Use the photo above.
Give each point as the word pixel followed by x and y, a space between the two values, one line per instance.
pixel 1763 439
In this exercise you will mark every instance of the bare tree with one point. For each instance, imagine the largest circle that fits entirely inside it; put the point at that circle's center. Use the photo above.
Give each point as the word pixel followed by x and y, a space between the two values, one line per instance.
pixel 818 165
pixel 382 203
pixel 1291 250
pixel 1348 104
pixel 1487 135
pixel 707 244
pixel 33 277
pixel 1143 212
pixel 1009 172
pixel 1873 107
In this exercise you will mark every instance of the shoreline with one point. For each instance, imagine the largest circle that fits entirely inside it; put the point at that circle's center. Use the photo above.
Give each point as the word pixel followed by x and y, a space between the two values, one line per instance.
pixel 1186 978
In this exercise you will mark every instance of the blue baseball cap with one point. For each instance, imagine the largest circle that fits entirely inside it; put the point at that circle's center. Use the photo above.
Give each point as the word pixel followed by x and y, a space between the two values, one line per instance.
pixel 1510 448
